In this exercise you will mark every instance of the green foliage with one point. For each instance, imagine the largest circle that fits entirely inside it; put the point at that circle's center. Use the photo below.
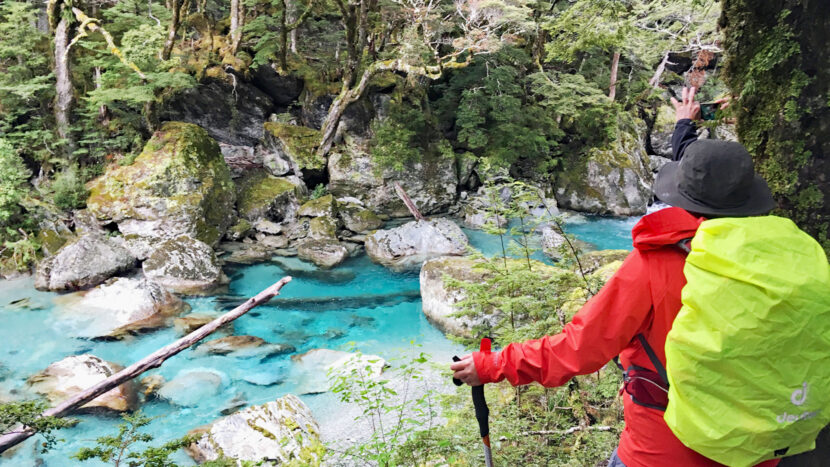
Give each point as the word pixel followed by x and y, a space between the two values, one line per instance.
pixel 401 138
pixel 119 449
pixel 26 83
pixel 13 177
pixel 319 191
pixel 28 414
pixel 69 191
pixel 394 416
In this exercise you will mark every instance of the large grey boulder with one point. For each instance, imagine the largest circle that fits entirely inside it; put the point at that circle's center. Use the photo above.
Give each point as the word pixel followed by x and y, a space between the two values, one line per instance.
pixel 325 253
pixel 242 347
pixel 610 180
pixel 185 265
pixel 277 433
pixel 358 219
pixel 85 262
pixel 179 185
pixel 440 301
pixel 413 243
pixel 431 182
pixel 65 378
pixel 118 308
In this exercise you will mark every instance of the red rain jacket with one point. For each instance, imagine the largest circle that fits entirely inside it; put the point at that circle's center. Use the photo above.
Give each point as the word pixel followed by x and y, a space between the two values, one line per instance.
pixel 643 296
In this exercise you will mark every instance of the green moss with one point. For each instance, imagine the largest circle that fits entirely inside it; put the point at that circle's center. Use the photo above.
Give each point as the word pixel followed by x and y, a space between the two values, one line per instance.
pixel 181 170
pixel 299 142
pixel 322 227
pixel 322 206
pixel 782 111
pixel 257 192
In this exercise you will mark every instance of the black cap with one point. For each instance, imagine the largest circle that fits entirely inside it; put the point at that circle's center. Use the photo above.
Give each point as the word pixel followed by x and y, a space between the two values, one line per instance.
pixel 715 178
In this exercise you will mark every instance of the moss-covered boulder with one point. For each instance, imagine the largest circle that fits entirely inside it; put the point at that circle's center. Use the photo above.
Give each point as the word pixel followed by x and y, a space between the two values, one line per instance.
pixel 439 300
pixel 324 206
pixel 66 378
pixel 431 182
pixel 178 185
pixel 615 179
pixel 322 228
pixel 282 432
pixel 295 144
pixel 263 196
pixel 359 220
pixel 242 347
pixel 185 265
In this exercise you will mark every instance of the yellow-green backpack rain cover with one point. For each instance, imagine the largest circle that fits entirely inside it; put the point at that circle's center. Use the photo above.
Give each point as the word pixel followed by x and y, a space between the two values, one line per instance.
pixel 748 356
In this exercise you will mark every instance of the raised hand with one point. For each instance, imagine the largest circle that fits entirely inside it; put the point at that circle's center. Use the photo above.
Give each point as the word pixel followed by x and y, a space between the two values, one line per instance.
pixel 688 108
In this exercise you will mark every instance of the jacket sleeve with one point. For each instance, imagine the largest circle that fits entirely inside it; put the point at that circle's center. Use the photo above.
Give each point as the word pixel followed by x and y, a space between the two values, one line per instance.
pixel 685 133
pixel 598 332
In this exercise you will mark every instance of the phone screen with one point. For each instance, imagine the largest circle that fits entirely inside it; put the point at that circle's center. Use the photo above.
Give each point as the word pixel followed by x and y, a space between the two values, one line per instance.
pixel 707 110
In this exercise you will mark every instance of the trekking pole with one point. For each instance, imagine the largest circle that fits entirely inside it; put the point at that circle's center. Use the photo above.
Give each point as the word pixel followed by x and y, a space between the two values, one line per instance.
pixel 480 405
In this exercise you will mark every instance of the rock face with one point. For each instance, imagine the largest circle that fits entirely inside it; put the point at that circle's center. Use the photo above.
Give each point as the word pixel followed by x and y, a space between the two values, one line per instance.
pixel 613 180
pixel 325 253
pixel 184 265
pixel 314 367
pixel 415 242
pixel 324 206
pixel 277 433
pixel 82 263
pixel 62 380
pixel 120 307
pixel 178 185
pixel 230 109
pixel 439 300
pixel 431 183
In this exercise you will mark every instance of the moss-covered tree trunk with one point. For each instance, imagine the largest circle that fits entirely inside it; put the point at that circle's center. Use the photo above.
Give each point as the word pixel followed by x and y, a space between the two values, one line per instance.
pixel 778 64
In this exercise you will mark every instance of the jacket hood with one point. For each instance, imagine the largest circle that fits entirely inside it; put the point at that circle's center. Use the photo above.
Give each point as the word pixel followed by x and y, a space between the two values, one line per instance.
pixel 664 227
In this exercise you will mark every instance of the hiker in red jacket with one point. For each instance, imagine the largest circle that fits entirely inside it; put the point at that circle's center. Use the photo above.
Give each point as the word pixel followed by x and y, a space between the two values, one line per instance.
pixel 633 313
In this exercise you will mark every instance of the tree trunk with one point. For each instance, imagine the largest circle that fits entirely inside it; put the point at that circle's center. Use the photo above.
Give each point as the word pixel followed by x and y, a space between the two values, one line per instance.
pixel 284 36
pixel 236 24
pixel 63 88
pixel 154 360
pixel 615 63
pixel 175 6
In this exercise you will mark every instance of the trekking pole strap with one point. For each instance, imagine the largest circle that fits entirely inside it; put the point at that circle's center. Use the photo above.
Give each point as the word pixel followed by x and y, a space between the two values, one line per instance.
pixel 661 370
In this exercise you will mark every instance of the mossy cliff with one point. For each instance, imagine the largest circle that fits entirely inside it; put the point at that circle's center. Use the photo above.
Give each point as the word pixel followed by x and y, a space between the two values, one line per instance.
pixel 179 184
pixel 778 64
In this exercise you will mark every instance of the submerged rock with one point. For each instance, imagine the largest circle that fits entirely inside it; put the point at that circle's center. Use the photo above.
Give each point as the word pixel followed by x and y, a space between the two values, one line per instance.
pixel 85 262
pixel 415 242
pixel 277 433
pixel 315 368
pixel 612 180
pixel 242 347
pixel 151 384
pixel 120 307
pixel 191 387
pixel 185 265
pixel 325 253
pixel 178 185
pixel 63 379
pixel 187 324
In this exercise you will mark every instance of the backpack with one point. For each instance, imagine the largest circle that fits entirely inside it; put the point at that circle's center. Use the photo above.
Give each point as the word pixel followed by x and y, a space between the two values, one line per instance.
pixel 748 355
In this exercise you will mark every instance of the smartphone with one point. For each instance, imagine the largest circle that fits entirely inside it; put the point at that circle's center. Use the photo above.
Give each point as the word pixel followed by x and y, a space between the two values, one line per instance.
pixel 708 110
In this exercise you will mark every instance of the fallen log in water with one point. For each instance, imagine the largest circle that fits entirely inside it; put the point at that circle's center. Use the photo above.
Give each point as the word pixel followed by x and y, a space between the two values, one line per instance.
pixel 154 360
pixel 332 303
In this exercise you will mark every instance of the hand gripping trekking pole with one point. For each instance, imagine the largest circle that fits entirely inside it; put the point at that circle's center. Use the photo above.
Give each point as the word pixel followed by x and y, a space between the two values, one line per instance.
pixel 482 412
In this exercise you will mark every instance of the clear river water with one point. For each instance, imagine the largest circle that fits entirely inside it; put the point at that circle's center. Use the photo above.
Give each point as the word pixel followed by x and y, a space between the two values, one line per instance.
pixel 358 303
